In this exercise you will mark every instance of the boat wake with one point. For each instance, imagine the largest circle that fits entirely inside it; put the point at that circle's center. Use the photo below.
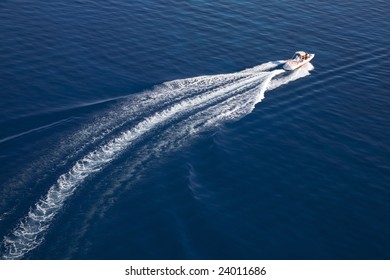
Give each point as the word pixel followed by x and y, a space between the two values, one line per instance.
pixel 177 111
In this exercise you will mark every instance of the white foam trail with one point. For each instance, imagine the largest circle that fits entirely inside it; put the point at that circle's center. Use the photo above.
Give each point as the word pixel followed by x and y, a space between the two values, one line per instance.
pixel 174 137
pixel 204 101
pixel 297 74
pixel 231 108
pixel 260 95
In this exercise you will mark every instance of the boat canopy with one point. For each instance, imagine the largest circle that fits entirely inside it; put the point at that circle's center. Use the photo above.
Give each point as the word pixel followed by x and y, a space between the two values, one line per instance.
pixel 298 55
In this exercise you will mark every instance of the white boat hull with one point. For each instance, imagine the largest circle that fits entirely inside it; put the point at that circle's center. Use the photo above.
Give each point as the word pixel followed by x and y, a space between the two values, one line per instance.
pixel 292 64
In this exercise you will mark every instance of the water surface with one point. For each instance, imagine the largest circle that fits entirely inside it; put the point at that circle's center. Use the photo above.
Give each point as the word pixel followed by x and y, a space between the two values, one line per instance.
pixel 166 130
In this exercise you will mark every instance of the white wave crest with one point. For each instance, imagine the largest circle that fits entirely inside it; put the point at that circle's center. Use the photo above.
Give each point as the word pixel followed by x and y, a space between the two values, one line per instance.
pixel 187 105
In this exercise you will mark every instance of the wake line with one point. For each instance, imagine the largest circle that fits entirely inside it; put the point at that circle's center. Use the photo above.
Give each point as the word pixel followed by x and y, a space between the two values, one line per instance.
pixel 211 99
pixel 178 135
pixel 175 136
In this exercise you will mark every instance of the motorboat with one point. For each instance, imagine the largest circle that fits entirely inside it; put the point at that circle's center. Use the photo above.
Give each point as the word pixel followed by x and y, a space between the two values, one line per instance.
pixel 300 58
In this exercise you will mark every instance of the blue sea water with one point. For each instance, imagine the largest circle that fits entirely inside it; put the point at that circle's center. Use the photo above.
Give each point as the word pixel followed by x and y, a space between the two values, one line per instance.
pixel 168 130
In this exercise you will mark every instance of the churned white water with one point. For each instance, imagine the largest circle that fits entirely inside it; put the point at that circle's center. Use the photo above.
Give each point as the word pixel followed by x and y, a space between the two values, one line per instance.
pixel 188 105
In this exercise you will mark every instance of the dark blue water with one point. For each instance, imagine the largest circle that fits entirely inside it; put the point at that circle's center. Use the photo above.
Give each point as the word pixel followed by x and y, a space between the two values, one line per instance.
pixel 131 130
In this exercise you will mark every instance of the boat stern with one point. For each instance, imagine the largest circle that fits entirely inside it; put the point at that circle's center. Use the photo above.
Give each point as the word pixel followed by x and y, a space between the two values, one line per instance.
pixel 289 66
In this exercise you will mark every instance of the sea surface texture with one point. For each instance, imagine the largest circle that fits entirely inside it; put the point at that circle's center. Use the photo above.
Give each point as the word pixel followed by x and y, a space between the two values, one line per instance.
pixel 169 130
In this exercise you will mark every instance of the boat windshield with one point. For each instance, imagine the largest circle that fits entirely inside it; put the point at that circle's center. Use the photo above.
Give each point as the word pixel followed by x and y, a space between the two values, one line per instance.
pixel 297 56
